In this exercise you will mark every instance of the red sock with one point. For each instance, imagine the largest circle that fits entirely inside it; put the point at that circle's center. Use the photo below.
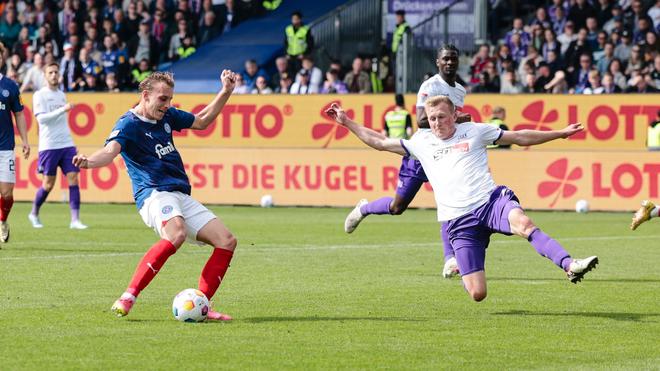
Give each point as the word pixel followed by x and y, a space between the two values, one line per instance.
pixel 5 207
pixel 150 264
pixel 214 271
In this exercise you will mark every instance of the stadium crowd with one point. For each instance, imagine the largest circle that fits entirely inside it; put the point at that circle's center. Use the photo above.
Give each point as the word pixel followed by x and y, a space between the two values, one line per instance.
pixel 576 46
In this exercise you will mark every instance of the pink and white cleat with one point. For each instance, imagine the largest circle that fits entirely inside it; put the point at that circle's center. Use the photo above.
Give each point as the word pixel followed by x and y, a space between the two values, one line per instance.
pixel 123 305
pixel 217 316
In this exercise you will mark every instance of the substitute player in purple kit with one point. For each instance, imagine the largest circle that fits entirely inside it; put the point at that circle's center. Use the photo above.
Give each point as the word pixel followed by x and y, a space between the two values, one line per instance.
pixel 454 159
pixel 56 148
pixel 10 102
pixel 411 173
pixel 161 188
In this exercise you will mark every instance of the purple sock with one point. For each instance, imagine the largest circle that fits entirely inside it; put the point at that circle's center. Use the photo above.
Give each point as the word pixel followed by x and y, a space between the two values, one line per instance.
pixel 39 200
pixel 550 248
pixel 446 245
pixel 380 206
pixel 74 202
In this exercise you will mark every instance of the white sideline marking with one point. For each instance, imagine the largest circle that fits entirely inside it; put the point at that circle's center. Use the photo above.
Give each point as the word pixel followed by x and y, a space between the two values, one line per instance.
pixel 270 247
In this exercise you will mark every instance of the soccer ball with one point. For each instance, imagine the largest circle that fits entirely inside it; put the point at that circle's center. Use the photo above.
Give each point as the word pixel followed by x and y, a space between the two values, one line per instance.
pixel 266 201
pixel 582 206
pixel 190 305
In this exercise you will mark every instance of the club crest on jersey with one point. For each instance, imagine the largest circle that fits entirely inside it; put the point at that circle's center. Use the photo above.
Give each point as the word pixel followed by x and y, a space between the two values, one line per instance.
pixel 167 209
pixel 162 150
pixel 5 93
pixel 167 128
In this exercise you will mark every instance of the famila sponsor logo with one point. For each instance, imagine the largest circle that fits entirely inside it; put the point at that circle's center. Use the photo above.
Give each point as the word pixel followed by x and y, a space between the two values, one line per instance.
pixel 162 150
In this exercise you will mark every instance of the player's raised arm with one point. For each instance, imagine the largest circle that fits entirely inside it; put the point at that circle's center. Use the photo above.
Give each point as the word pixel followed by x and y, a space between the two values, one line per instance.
pixel 532 137
pixel 370 137
pixel 99 158
pixel 206 116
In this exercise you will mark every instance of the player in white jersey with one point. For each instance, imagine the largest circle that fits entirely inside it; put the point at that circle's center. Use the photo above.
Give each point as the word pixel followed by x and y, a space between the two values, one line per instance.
pixel 474 207
pixel 411 173
pixel 56 148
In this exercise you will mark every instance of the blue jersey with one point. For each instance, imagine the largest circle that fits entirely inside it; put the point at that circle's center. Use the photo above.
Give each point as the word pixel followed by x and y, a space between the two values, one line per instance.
pixel 111 59
pixel 10 101
pixel 152 161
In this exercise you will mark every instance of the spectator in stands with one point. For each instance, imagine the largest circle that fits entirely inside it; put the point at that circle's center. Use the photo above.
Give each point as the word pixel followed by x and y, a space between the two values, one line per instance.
pixel 524 37
pixel 518 49
pixel 510 84
pixel 9 28
pixel 132 18
pixel 400 29
pixel 335 64
pixel 560 21
pixel 615 23
pixel 143 45
pixel 541 19
pixel 633 15
pixel 624 49
pixel 576 50
pixel 636 62
pixel 653 134
pixel 599 50
pixel 603 11
pixel 579 78
pixel 479 62
pixel 158 30
pixel 543 79
pixel 187 47
pixel 66 17
pixel 16 65
pixel 502 54
pixel 94 53
pixel 529 83
pixel 281 67
pixel 141 72
pixel 34 78
pixel 240 87
pixel 88 65
pixel 592 33
pixel 374 79
pixel 124 69
pixel 594 84
pixel 550 43
pixel 499 115
pixel 315 74
pixel 357 80
pixel 120 26
pixel 616 70
pixel 285 83
pixel 654 14
pixel 23 42
pixel 552 9
pixel 494 77
pixel 655 72
pixel 90 84
pixel 261 86
pixel 538 37
pixel 209 28
pixel 533 58
pixel 175 40
pixel 332 84
pixel 608 84
pixel 579 13
pixel 640 85
pixel 304 85
pixel 484 84
pixel 70 69
pixel 250 74
pixel 230 16
pixel 603 63
pixel 567 37
pixel 111 83
pixel 298 40
pixel 109 9
pixel 643 27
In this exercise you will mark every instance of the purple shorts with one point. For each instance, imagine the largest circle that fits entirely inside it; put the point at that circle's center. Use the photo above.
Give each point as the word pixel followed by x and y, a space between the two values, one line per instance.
pixel 411 178
pixel 51 159
pixel 470 233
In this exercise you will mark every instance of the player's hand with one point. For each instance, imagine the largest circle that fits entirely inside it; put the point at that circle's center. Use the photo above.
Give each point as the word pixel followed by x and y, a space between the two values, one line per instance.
pixel 462 117
pixel 80 161
pixel 572 129
pixel 337 113
pixel 228 79
pixel 26 151
pixel 68 107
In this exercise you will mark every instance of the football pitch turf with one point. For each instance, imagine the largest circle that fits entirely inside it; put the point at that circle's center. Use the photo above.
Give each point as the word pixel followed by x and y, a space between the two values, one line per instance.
pixel 305 295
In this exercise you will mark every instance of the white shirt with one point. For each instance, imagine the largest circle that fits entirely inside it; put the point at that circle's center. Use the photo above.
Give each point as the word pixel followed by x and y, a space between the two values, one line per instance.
pixel 49 110
pixel 457 168
pixel 435 86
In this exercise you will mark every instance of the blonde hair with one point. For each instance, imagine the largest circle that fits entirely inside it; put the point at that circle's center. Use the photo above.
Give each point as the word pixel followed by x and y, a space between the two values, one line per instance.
pixel 158 76
pixel 439 99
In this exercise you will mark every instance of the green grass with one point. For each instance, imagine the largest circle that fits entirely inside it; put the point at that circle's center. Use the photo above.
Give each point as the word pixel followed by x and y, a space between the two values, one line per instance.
pixel 305 295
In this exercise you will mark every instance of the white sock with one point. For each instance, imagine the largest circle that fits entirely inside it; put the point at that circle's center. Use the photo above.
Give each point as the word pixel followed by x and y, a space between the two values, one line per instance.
pixel 654 212
pixel 129 296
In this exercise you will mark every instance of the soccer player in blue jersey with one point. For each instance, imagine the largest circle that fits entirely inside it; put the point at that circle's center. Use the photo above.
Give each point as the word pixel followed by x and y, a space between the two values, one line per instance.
pixel 161 188
pixel 10 103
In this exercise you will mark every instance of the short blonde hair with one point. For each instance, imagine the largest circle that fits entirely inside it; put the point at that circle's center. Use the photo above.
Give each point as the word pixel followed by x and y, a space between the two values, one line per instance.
pixel 439 99
pixel 158 76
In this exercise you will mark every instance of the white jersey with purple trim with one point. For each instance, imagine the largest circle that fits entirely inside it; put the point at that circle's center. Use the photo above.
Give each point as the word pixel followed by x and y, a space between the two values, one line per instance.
pixel 435 86
pixel 457 168
pixel 53 122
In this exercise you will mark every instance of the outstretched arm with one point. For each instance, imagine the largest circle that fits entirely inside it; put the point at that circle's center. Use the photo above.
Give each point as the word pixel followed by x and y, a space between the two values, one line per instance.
pixel 99 158
pixel 206 116
pixel 370 137
pixel 532 137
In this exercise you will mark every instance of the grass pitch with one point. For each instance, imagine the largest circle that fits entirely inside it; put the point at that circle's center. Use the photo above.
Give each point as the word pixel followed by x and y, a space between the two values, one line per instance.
pixel 305 295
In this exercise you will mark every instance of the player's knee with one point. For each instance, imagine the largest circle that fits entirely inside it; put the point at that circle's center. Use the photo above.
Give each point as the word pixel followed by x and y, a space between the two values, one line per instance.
pixel 48 186
pixel 231 242
pixel 526 226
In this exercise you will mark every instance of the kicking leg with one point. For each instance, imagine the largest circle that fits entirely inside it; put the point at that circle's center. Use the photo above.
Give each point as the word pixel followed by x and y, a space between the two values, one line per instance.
pixel 173 234
pixel 6 203
pixel 647 211
pixel 451 266
pixel 470 249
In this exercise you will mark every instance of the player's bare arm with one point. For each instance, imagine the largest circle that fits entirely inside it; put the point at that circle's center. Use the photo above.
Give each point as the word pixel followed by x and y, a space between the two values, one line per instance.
pixel 99 158
pixel 370 137
pixel 206 116
pixel 21 125
pixel 533 137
